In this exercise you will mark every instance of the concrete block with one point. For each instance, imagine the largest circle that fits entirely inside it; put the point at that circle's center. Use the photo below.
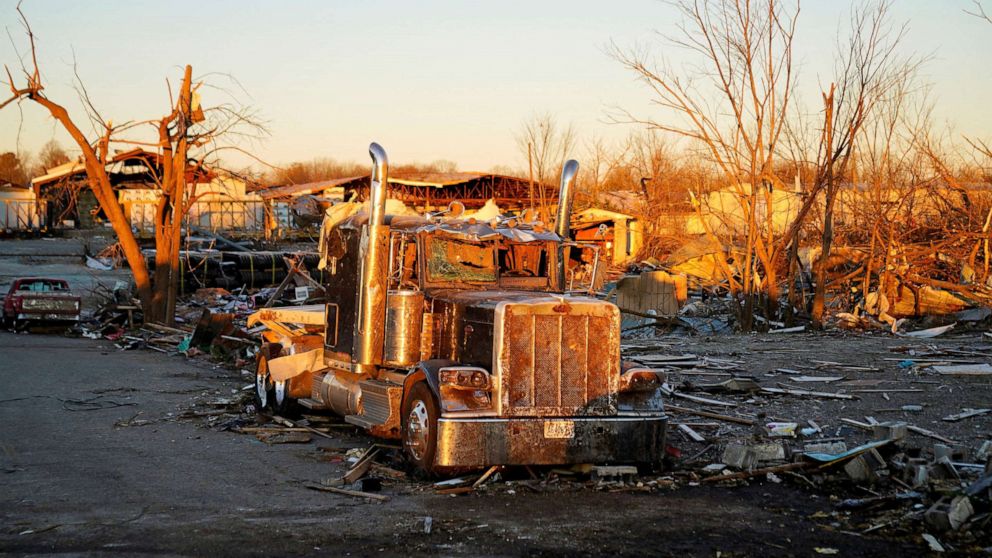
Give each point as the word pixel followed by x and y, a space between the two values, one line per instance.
pixel 738 456
pixel 865 467
pixel 889 431
pixel 949 514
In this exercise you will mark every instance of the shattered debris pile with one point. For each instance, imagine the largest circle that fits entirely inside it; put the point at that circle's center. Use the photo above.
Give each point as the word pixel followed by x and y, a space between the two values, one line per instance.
pixel 900 441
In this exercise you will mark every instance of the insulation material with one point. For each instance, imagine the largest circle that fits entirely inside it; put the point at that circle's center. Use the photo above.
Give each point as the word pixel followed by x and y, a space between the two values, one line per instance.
pixel 286 367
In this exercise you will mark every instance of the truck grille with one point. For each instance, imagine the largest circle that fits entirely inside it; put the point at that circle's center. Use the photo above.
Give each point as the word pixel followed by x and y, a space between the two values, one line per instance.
pixel 559 359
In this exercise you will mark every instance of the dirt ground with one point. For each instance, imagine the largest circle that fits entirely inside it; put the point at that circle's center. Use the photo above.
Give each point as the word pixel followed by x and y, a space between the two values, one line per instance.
pixel 114 452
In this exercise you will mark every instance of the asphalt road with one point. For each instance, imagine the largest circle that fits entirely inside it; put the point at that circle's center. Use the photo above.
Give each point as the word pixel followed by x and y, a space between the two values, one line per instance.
pixel 73 482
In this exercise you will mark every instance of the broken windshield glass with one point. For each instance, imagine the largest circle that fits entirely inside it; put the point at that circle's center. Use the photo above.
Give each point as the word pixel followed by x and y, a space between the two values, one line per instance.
pixel 451 260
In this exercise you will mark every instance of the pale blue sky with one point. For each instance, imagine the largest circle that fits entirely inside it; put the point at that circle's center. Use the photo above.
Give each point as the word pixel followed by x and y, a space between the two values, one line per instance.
pixel 427 79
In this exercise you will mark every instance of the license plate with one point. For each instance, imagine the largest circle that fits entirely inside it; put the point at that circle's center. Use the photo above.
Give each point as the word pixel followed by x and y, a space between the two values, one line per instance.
pixel 559 429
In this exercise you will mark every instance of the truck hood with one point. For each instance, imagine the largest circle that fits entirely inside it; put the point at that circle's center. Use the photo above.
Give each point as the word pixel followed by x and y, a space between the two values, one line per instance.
pixel 490 299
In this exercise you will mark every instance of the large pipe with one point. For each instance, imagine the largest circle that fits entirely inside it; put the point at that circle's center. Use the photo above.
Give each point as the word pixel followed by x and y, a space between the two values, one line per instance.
pixel 566 192
pixel 370 326
pixel 563 222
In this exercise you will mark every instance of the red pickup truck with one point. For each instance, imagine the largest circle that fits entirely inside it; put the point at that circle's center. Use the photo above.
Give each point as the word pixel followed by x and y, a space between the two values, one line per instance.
pixel 37 299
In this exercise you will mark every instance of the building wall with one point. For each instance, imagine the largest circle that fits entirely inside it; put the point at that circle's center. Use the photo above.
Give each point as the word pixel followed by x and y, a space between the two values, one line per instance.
pixel 221 206
pixel 653 292
pixel 19 210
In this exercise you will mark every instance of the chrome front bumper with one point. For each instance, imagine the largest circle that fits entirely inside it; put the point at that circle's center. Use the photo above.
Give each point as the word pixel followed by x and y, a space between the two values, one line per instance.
pixel 481 442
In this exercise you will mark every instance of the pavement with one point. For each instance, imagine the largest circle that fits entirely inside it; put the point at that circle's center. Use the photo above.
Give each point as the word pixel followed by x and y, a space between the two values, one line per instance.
pixel 94 460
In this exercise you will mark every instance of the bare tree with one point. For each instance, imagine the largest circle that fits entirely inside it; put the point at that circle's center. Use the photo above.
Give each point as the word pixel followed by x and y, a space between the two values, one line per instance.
pixel 600 166
pixel 870 70
pixel 315 170
pixel 979 11
pixel 733 101
pixel 188 140
pixel 546 145
pixel 14 168
pixel 51 155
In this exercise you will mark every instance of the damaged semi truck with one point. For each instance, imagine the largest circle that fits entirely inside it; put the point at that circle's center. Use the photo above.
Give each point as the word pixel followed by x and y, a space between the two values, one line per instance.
pixel 463 340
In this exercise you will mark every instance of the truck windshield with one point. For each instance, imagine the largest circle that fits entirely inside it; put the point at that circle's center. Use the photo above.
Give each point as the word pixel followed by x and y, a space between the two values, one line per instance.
pixel 452 260
pixel 524 260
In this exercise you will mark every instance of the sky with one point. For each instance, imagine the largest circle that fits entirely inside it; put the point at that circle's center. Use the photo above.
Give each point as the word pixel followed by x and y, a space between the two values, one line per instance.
pixel 430 79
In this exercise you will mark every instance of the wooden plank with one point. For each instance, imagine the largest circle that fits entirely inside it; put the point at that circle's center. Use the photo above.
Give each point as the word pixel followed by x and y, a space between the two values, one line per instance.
pixel 967 413
pixel 852 422
pixel 707 414
pixel 485 476
pixel 346 492
pixel 691 433
pixel 287 422
pixel 807 393
pixel 757 472
pixel 902 390
pixel 361 467
pixel 965 370
pixel 826 379
pixel 929 434
pixel 702 400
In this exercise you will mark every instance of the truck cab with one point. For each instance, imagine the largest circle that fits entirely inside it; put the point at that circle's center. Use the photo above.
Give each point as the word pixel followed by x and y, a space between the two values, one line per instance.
pixel 464 340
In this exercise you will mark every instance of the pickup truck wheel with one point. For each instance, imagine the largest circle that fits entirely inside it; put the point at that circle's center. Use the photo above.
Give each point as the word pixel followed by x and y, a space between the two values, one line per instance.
pixel 420 414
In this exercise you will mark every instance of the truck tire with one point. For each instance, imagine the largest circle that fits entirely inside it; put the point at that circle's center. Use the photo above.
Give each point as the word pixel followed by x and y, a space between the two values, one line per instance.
pixel 264 396
pixel 419 415
pixel 282 403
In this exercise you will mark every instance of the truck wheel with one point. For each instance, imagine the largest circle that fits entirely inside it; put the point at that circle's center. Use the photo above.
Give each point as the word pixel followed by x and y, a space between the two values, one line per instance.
pixel 282 403
pixel 263 386
pixel 420 414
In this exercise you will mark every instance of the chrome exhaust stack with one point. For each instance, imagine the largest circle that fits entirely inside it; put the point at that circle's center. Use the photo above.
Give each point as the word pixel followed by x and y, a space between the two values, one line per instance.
pixel 370 326
pixel 563 222
pixel 566 192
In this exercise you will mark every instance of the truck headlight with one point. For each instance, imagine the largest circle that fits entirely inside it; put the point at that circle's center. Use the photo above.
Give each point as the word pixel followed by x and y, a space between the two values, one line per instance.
pixel 641 379
pixel 465 388
pixel 465 377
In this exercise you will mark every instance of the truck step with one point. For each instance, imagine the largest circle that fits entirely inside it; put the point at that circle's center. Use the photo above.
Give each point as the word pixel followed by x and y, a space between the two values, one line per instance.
pixel 311 404
pixel 378 401
pixel 361 421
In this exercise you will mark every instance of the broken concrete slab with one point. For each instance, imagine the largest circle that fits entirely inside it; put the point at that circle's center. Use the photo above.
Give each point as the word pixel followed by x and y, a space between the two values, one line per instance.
pixel 985 451
pixel 743 456
pixel 948 514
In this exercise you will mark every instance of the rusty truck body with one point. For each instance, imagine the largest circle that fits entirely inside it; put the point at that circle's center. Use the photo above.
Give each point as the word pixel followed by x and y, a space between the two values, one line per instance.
pixel 459 338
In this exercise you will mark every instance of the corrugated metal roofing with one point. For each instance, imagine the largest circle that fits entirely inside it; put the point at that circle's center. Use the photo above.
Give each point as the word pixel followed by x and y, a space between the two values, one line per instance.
pixel 292 190
pixel 437 179
pixel 59 172
pixel 425 179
